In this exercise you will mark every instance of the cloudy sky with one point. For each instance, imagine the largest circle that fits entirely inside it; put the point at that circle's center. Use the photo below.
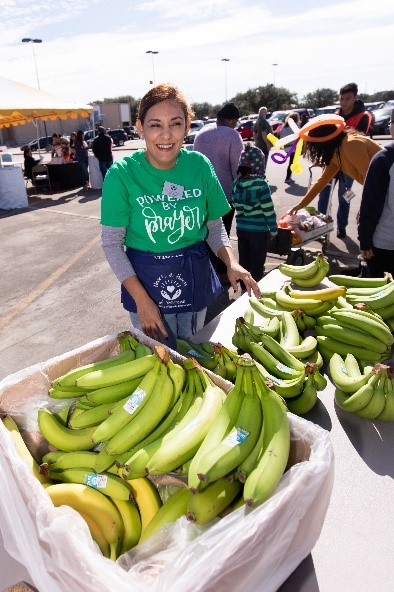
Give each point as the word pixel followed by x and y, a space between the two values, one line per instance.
pixel 94 49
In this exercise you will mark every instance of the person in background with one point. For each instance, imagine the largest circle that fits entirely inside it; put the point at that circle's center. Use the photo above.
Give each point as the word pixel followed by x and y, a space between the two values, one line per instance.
pixel 29 162
pixel 255 214
pixel 286 131
pixel 56 138
pixel 73 137
pixel 356 117
pixel 222 145
pixel 158 206
pixel 375 225
pixel 261 129
pixel 349 152
pixel 81 155
pixel 102 149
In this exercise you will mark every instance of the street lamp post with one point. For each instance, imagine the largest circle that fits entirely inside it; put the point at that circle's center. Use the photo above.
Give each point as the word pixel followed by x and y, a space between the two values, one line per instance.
pixel 225 60
pixel 274 67
pixel 153 53
pixel 33 41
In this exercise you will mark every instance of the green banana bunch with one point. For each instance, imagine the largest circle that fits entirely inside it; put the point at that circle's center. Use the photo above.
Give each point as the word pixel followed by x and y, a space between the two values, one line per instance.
pixel 304 322
pixel 62 437
pixel 112 393
pixel 122 413
pixel 68 381
pixel 382 298
pixel 301 271
pixel 114 374
pixel 366 322
pixel 304 402
pixel 359 282
pixel 264 478
pixel 158 404
pixel 179 445
pixel 225 421
pixel 226 453
pixel 329 346
pixel 127 341
pixel 263 310
pixel 308 275
pixel 206 505
pixel 307 305
pixel 388 412
pixel 193 350
pixel 358 399
pixel 285 387
pixel 347 334
pixel 345 373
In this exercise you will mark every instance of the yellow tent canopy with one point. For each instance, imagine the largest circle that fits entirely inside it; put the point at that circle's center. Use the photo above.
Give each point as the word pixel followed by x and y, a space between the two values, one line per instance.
pixel 21 104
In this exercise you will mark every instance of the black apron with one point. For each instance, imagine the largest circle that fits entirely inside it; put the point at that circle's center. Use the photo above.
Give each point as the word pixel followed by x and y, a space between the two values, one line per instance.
pixel 178 281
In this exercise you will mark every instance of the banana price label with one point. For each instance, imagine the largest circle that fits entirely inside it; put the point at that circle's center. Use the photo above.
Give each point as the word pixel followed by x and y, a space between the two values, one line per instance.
pixel 96 481
pixel 134 401
pixel 236 436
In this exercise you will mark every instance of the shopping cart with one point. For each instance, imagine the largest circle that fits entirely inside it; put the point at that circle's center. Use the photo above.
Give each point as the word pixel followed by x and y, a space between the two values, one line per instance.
pixel 283 243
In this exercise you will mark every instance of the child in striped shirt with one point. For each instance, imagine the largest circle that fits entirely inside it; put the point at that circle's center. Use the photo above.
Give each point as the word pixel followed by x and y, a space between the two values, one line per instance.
pixel 254 211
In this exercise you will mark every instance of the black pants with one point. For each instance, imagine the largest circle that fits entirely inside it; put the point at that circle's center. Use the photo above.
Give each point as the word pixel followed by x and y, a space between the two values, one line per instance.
pixel 217 263
pixel 252 252
pixel 382 260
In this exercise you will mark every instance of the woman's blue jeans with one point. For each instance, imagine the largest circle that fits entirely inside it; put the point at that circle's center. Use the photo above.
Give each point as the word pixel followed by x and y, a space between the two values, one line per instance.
pixel 182 325
pixel 344 182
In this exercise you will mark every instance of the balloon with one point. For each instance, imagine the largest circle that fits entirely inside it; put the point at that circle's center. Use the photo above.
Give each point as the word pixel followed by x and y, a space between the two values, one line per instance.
pixel 285 140
pixel 296 167
pixel 273 139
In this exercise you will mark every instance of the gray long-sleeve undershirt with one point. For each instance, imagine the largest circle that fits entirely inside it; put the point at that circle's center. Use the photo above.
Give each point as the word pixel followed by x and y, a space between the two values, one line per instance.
pixel 112 240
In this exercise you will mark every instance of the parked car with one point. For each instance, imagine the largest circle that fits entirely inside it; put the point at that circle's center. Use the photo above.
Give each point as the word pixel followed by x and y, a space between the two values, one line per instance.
pixel 195 127
pixel 33 145
pixel 119 136
pixel 277 121
pixel 374 106
pixel 132 132
pixel 381 122
pixel 327 109
pixel 245 128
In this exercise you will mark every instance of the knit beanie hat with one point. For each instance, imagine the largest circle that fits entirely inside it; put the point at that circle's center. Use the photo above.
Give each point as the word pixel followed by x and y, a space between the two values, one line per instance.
pixel 254 158
pixel 229 111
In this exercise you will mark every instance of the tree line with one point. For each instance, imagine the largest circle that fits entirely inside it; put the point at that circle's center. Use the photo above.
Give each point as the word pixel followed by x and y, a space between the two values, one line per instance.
pixel 275 98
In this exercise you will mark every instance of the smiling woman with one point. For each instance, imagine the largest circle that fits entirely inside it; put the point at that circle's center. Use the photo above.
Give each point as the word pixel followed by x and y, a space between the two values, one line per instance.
pixel 158 207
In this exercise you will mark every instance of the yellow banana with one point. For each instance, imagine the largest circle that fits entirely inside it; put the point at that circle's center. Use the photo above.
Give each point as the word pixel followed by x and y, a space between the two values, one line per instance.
pixel 22 449
pixel 147 498
pixel 107 483
pixel 290 303
pixel 322 294
pixel 94 504
pixel 96 533
pixel 131 523
pixel 62 437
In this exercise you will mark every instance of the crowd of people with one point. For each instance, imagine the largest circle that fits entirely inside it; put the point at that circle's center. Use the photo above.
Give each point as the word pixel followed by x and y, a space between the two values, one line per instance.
pixel 167 212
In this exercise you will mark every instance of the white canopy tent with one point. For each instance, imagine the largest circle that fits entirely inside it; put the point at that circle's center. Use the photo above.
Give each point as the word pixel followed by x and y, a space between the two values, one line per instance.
pixel 21 104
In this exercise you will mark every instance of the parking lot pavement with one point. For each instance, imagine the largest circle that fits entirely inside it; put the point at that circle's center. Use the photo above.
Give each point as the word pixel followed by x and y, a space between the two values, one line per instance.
pixel 58 292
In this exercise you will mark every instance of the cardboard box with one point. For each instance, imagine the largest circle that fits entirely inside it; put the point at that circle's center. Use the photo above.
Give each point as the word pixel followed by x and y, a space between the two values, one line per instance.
pixel 244 551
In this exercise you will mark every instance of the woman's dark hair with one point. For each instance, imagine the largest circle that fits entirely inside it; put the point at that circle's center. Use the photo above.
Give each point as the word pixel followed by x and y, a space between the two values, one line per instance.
pixel 26 150
pixel 321 153
pixel 80 136
pixel 163 92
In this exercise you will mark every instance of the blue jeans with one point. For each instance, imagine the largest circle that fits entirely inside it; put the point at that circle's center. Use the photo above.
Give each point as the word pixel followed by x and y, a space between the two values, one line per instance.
pixel 344 182
pixel 85 171
pixel 183 325
pixel 104 166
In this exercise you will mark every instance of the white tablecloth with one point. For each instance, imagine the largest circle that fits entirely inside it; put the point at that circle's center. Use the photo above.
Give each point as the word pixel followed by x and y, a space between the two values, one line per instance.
pixel 96 178
pixel 12 188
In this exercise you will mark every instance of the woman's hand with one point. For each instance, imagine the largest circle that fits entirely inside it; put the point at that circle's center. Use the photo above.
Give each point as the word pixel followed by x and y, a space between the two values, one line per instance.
pixel 236 272
pixel 148 312
pixel 368 254
pixel 293 210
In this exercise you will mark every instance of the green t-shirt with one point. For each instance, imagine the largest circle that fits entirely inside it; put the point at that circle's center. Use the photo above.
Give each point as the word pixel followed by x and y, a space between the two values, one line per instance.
pixel 133 196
